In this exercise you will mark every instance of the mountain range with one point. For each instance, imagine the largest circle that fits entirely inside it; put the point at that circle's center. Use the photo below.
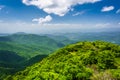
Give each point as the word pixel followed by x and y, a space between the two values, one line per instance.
pixel 21 50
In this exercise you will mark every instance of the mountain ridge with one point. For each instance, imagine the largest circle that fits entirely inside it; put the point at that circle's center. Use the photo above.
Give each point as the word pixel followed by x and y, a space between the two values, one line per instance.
pixel 81 61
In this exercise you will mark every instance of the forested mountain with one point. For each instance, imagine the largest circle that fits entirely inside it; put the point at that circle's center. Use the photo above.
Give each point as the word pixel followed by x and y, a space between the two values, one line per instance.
pixel 81 61
pixel 20 50
pixel 28 45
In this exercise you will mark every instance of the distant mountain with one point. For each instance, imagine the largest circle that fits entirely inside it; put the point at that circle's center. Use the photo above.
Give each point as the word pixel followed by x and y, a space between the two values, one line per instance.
pixel 20 33
pixel 28 45
pixel 81 61
pixel 61 39
pixel 4 34
pixel 87 36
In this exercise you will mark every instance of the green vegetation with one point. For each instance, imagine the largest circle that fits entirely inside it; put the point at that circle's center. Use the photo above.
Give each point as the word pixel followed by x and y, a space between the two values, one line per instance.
pixel 81 61
pixel 28 45
pixel 18 51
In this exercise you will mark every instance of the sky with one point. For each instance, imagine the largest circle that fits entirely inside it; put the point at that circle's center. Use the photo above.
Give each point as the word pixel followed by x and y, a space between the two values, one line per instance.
pixel 46 16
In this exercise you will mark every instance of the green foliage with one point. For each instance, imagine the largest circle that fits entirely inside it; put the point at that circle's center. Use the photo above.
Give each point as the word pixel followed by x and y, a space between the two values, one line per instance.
pixel 81 61
pixel 116 73
pixel 20 50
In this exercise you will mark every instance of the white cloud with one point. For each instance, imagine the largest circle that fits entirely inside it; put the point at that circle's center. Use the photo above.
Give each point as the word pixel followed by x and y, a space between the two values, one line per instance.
pixel 79 13
pixel 118 11
pixel 107 8
pixel 103 25
pixel 58 7
pixel 119 23
pixel 43 20
pixel 1 7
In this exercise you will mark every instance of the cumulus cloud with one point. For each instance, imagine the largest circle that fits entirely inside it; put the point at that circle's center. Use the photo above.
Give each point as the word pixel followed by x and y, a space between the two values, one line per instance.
pixel 58 7
pixel 118 11
pixel 43 20
pixel 79 13
pixel 107 8
pixel 102 25
pixel 1 7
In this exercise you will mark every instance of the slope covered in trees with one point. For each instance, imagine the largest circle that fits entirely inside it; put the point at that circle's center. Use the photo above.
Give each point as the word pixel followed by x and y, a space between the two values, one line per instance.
pixel 81 61
pixel 28 45
pixel 20 50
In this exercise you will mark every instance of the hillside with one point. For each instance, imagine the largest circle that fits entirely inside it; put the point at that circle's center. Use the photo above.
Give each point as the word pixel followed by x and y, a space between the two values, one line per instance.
pixel 28 45
pixel 20 50
pixel 81 61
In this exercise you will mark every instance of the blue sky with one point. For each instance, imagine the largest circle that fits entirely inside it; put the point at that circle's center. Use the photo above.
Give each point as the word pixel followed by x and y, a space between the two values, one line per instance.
pixel 44 15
